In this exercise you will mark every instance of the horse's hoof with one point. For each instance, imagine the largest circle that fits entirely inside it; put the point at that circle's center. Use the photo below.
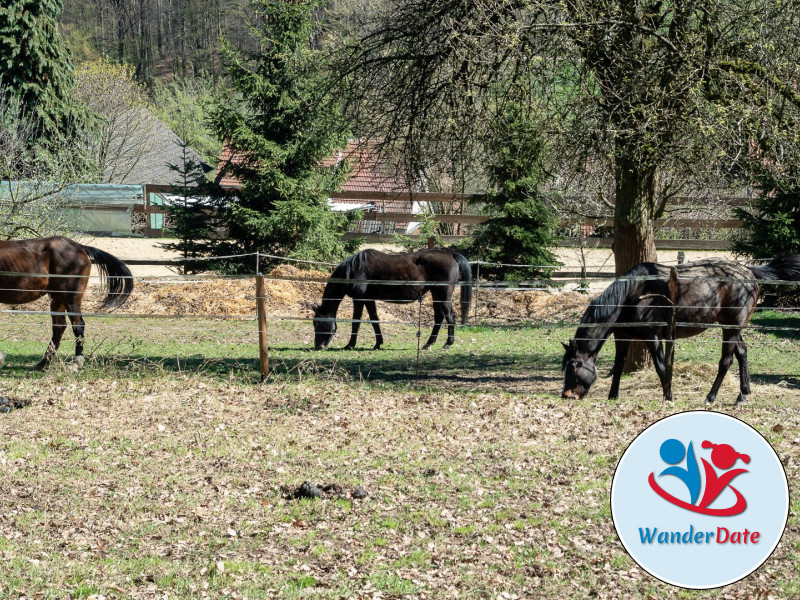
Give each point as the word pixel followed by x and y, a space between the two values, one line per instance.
pixel 426 347
pixel 710 399
pixel 348 347
pixel 446 347
pixel 377 347
pixel 77 363
pixel 41 365
pixel 742 399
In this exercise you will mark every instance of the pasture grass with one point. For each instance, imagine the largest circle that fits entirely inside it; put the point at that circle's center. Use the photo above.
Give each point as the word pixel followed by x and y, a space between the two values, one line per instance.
pixel 162 468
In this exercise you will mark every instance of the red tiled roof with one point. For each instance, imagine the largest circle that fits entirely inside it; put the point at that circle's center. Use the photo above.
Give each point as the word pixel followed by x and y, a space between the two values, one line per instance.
pixel 228 155
pixel 368 172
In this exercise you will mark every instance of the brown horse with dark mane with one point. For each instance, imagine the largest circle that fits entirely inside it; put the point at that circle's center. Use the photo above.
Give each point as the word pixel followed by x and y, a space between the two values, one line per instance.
pixel 60 267
pixel 636 307
pixel 370 275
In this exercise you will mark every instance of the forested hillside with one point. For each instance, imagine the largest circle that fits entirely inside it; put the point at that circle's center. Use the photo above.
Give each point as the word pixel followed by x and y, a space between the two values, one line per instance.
pixel 165 38
pixel 158 37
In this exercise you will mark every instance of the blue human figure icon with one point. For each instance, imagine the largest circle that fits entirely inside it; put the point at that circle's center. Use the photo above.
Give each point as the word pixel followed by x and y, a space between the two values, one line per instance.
pixel 672 452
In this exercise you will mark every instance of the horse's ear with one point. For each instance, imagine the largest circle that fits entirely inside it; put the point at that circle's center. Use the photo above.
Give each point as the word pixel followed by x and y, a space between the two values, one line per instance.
pixel 566 346
pixel 570 346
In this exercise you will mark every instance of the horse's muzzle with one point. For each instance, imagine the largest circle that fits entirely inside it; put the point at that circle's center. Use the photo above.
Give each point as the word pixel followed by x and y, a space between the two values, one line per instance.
pixel 576 393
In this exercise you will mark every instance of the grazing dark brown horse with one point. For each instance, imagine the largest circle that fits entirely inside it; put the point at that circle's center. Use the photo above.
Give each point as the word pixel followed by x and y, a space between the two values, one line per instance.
pixel 60 267
pixel 708 291
pixel 370 275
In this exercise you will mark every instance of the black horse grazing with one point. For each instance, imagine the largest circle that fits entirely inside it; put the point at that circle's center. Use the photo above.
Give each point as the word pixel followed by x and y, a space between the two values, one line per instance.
pixel 708 291
pixel 60 267
pixel 370 275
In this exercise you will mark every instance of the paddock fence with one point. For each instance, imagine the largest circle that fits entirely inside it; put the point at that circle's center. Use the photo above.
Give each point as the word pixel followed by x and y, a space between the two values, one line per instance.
pixel 546 313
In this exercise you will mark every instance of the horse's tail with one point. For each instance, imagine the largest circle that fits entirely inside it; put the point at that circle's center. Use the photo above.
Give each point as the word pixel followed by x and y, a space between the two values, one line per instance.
pixel 465 271
pixel 116 275
pixel 784 267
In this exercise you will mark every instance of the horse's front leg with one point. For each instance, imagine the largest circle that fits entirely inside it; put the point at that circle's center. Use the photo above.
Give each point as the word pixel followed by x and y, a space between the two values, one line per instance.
pixel 372 311
pixel 621 351
pixel 358 310
pixel 656 348
pixel 59 325
pixel 728 348
pixel 438 317
pixel 740 351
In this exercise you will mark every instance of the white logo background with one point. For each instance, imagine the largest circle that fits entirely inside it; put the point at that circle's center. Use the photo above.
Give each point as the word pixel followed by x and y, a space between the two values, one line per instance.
pixel 635 505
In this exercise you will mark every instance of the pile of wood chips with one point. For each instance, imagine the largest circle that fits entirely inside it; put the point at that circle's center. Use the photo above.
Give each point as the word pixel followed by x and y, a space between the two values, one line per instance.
pixel 293 291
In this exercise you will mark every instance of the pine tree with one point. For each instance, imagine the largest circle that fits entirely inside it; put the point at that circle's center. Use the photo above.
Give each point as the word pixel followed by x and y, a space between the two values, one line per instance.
pixel 36 66
pixel 278 115
pixel 195 213
pixel 521 226
pixel 772 225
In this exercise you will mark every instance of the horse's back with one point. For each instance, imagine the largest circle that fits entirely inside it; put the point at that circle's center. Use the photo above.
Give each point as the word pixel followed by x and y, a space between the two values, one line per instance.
pixel 708 291
pixel 368 268
pixel 439 265
pixel 32 261
pixel 54 255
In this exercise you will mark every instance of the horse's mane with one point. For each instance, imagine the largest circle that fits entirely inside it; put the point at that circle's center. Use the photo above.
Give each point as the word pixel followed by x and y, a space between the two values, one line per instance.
pixel 346 270
pixel 607 306
pixel 350 266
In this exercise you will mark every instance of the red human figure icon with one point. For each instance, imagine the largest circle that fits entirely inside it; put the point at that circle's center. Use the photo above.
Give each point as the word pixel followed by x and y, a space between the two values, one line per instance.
pixel 724 457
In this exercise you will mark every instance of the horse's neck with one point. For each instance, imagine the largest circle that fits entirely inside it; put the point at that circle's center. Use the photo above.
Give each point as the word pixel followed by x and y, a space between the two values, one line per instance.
pixel 601 315
pixel 591 339
pixel 332 297
pixel 596 323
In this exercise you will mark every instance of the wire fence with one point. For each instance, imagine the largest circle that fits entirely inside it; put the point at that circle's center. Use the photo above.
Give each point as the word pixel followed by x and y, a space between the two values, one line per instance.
pixel 310 291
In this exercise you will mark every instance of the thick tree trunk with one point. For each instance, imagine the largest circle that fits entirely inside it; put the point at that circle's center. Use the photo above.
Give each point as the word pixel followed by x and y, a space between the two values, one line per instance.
pixel 634 239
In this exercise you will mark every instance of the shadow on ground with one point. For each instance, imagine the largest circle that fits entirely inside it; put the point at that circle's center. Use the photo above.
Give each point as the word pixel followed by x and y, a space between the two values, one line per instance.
pixel 445 369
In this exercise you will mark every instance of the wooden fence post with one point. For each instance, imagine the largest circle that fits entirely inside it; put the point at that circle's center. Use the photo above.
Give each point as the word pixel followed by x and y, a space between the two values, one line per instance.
pixel 669 341
pixel 261 312
pixel 477 290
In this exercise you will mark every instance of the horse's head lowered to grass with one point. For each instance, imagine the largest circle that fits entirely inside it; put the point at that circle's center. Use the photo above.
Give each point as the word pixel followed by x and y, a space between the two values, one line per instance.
pixel 324 329
pixel 579 372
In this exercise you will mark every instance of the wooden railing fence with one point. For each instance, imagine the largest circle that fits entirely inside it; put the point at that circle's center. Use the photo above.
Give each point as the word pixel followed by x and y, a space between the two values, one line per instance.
pixel 460 210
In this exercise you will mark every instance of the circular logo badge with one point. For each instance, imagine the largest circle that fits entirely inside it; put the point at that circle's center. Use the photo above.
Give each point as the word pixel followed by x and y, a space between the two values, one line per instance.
pixel 700 500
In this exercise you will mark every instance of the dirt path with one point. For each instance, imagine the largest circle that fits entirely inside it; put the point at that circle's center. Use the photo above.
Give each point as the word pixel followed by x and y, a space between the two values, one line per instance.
pixel 150 248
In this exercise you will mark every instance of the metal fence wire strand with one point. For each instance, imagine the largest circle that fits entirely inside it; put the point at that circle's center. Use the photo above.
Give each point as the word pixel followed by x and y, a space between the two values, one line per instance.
pixel 485 293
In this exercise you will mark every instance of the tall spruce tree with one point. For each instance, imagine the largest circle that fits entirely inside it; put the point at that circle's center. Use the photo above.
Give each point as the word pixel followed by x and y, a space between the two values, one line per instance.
pixel 195 212
pixel 36 66
pixel 278 118
pixel 772 224
pixel 521 230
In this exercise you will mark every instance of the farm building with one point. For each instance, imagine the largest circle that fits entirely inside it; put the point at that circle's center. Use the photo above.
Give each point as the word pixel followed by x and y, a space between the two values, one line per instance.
pixel 130 185
pixel 374 185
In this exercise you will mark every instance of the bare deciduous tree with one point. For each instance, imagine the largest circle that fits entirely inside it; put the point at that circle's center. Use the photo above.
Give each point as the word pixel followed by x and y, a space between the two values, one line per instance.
pixel 124 129
pixel 646 91
pixel 34 180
